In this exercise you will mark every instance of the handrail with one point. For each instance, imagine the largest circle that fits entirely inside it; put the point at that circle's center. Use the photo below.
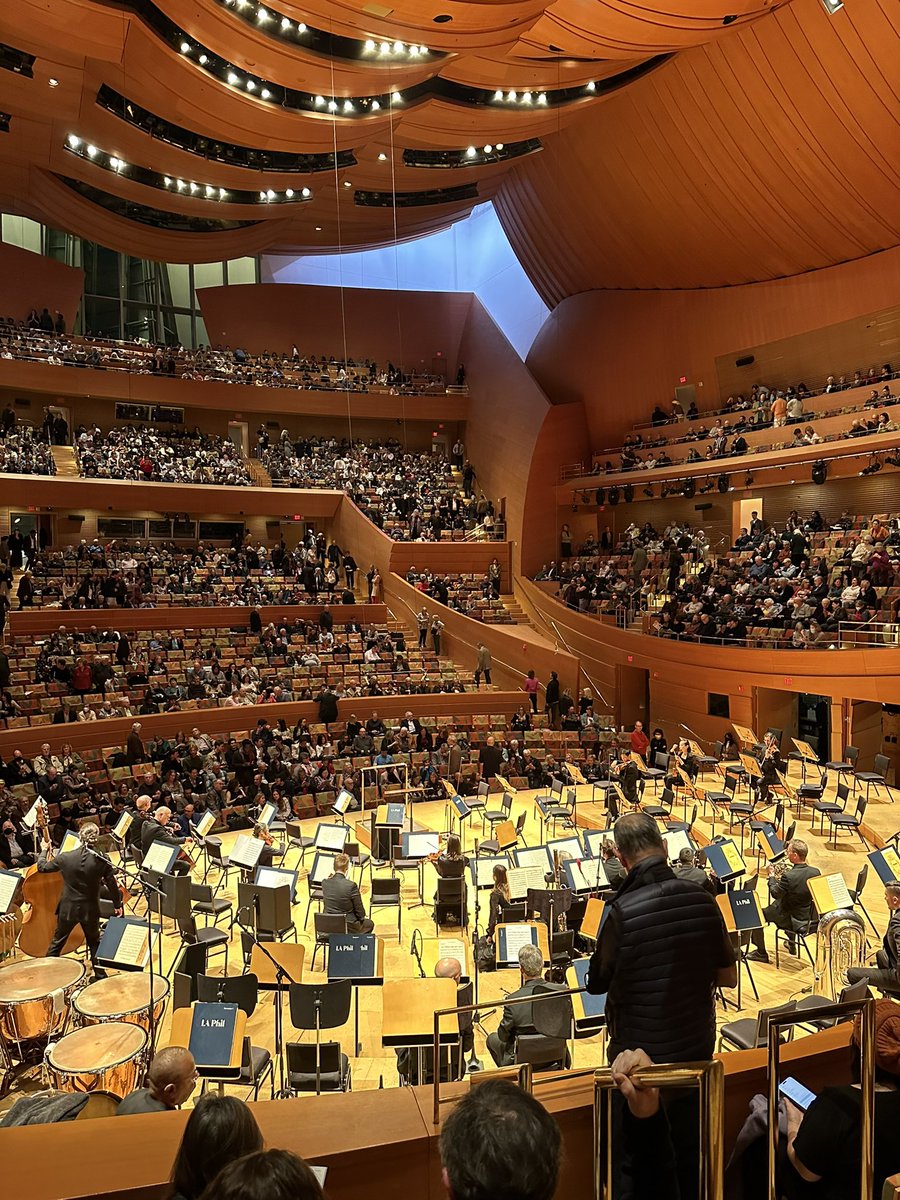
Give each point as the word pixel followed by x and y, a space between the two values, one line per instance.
pixel 559 637
pixel 498 527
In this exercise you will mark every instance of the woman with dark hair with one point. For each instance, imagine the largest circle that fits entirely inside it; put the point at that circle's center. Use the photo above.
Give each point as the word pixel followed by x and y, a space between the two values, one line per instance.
pixel 451 864
pixel 499 900
pixel 219 1130
pixel 265 1175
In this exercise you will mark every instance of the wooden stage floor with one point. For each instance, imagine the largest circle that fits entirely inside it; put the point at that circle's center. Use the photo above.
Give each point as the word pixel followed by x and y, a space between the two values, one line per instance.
pixel 376 1065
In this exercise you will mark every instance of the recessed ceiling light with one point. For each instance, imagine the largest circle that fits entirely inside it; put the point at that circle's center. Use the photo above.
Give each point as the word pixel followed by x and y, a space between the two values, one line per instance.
pixel 185 47
pixel 51 82
pixel 265 93
pixel 306 193
pixel 347 183
pixel 202 60
pixel 318 229
pixel 290 193
pixel 382 157
pixel 471 152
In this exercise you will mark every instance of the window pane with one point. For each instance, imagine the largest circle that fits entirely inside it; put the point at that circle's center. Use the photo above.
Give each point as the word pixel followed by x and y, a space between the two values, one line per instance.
pixel 220 531
pixel 202 335
pixel 179 289
pixel 101 316
pixel 140 322
pixel 207 275
pixel 241 270
pixel 21 231
pixel 159 528
pixel 116 527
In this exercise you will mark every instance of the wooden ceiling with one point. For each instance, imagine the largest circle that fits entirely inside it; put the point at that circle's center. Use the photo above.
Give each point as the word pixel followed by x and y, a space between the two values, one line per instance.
pixel 605 154
pixel 769 153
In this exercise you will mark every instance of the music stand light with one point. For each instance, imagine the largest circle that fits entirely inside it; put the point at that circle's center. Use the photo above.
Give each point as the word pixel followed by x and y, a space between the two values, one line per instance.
pixel 320 1006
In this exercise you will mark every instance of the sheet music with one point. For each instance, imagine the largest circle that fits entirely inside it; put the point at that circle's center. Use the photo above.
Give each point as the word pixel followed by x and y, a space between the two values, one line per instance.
pixel 839 894
pixel 453 948
pixel 30 818
pixel 133 945
pixel 274 877
pixel 122 825
pixel 9 881
pixel 205 824
pixel 246 850
pixel 329 837
pixel 70 842
pixel 523 878
pixel 569 845
pixel 892 862
pixel 343 802
pixel 518 936
pixel 159 857
pixel 676 840
pixel 322 867
pixel 586 875
pixel 534 856
pixel 420 845
pixel 483 868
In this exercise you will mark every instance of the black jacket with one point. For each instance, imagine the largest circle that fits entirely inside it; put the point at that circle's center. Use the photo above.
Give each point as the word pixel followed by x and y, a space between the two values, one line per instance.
pixel 661 945
pixel 83 874
pixel 342 897
pixel 517 1018
pixel 152 831
pixel 791 894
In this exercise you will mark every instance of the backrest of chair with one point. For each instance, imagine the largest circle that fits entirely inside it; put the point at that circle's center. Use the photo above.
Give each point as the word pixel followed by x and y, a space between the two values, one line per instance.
pixel 842 794
pixel 188 928
pixel 539 1050
pixel 201 893
pixel 762 1019
pixel 385 889
pixel 853 991
pixel 882 762
pixel 506 803
pixel 861 879
pixel 791 830
pixel 214 851
pixel 520 822
pixel 351 849
pixel 326 923
pixel 730 784
pixel 778 815
pixel 242 990
pixel 861 805
pixel 661 760
pixel 514 914
pixel 851 754
pixel 667 799
pixel 301 1058
pixel 453 888
pixel 483 788
pixel 694 812
pixel 718 747
pixel 562 943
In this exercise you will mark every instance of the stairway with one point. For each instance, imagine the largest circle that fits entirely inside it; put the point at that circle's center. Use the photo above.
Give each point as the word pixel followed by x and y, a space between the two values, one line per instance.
pixel 258 473
pixel 66 463
pixel 515 610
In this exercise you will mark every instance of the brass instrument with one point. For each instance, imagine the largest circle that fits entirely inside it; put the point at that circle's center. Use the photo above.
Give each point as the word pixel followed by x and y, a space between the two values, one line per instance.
pixel 840 944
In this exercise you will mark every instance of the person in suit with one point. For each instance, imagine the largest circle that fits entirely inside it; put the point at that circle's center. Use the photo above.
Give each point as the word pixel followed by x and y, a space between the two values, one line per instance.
pixel 791 905
pixel 134 746
pixel 408 1058
pixel 517 1018
pixel 342 898
pixel 84 871
pixel 155 830
pixel 886 973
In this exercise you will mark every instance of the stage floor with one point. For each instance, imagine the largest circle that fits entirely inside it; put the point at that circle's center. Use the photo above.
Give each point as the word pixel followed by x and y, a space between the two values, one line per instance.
pixel 375 1065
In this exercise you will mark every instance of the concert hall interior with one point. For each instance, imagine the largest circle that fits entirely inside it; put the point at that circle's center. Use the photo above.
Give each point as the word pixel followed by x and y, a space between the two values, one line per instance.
pixel 449 600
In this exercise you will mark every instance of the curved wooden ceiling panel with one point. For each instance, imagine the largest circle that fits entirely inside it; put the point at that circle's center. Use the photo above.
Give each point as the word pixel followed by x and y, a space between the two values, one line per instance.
pixel 755 153
pixel 762 155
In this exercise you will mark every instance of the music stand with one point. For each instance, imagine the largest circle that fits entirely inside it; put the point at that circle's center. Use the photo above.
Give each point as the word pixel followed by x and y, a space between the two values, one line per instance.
pixel 217 1051
pixel 742 914
pixel 358 958
pixel 320 1006
pixel 408 1015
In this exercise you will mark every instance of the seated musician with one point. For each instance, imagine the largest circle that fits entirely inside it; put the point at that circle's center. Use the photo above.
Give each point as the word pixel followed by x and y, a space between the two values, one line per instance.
pixel 682 756
pixel 450 864
pixel 499 900
pixel 157 830
pixel 170 1081
pixel 630 780
pixel 792 907
pixel 612 864
pixel 770 763
pixel 342 898
pixel 408 1058
pixel 686 868
pixel 517 1018
pixel 886 972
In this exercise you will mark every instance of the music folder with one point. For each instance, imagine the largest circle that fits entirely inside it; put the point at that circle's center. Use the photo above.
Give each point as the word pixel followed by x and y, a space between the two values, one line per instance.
pixel 419 845
pixel 829 893
pixel 533 856
pixel 71 841
pixel 589 1010
pixel 329 837
pixel 267 814
pixel 511 939
pixel 273 877
pixel 482 868
pixel 122 826
pixel 204 825
pixel 322 868
pixel 725 859
pixel 358 957
pixel 159 858
pixel 212 1037
pixel 390 816
pixel 125 944
pixel 771 845
pixel 345 800
pixel 9 883
pixel 461 808
pixel 677 840
pixel 886 864
pixel 567 845
pixel 246 851
pixel 743 909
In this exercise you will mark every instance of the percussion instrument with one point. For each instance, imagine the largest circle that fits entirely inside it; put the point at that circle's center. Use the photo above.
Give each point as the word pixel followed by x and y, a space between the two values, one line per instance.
pixel 123 997
pixel 110 1058
pixel 35 997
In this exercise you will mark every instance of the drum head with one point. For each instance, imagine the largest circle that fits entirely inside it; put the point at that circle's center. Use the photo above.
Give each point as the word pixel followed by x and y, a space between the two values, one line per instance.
pixel 97 1047
pixel 126 993
pixel 38 977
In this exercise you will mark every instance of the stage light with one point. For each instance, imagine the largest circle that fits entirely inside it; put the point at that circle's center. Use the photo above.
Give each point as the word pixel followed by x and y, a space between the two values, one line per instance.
pixel 591 87
pixel 185 47
pixel 384 48
pixel 290 193
pixel 202 60
pixel 832 6
pixel 270 195
pixel 180 184
pixel 193 188
pixel 265 93
pixel 232 78
pixel 488 149
pixel 526 97
pixel 471 152
pixel 332 105
pixel 222 193
pixel 542 98
pixel 73 141
pixel 51 82
pixel 318 229
pixel 251 86
pixel 498 95
pixel 369 47
pixel 648 492
pixel 748 480
pixel 396 97
pixel 209 190
pixel 376 107
pixel 414 52
pixel 499 146
pixel 511 97
pixel 319 101
pixel 723 483
pixel 398 47
pixel 347 183
pixel 285 23
pixel 262 15
pixel 819 471
pixel 92 151
pixel 167 181
pixel 613 495
pixel 306 193
pixel 301 27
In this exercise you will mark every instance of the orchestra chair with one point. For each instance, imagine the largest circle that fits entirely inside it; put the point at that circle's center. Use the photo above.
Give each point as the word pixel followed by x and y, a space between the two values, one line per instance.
pixel 847 766
pixel 216 858
pixel 544 1053
pixel 515 914
pixel 562 950
pixel 661 810
pixel 210 936
pixel 492 845
pixel 546 1047
pixel 564 811
pixel 856 895
pixel 709 762
pixel 359 859
pixel 386 894
pixel 876 779
pixel 297 839
pixel 206 903
pixel 751 1033
pixel 256 1061
pixel 800 936
pixel 853 821
pixel 853 991
pixel 682 826
pixel 325 924
pixel 451 894
pixel 315 897
pixel 494 816
pixel 658 770
pixel 334 1067
pixel 479 799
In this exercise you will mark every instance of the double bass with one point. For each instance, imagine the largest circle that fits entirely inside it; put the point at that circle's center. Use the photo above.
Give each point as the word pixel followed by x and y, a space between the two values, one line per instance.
pixel 41 891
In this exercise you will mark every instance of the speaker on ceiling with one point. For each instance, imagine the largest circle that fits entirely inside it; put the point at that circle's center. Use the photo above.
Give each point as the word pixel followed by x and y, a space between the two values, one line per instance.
pixel 613 496
pixel 747 361
pixel 819 471
pixel 628 493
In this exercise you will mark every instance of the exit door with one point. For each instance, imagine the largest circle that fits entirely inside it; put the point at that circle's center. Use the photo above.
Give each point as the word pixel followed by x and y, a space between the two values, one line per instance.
pixel 632 695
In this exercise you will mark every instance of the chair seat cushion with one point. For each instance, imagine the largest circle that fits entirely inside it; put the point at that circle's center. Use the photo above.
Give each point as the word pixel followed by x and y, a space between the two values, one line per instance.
pixel 212 906
pixel 869 777
pixel 741 1033
pixel 212 935
pixel 259 1060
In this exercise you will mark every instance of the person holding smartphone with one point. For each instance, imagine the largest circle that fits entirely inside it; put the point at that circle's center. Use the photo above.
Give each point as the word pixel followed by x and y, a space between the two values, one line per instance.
pixel 823 1143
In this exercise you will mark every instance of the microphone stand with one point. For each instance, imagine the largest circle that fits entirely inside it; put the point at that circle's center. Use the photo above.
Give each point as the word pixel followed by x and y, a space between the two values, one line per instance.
pixel 415 950
pixel 280 976
pixel 473 1064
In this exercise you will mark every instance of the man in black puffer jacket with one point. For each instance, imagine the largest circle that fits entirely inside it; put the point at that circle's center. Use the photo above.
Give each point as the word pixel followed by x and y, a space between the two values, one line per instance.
pixel 662 951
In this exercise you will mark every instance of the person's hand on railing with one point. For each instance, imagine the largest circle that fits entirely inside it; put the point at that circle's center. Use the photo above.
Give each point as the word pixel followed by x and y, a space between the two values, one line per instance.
pixel 643 1102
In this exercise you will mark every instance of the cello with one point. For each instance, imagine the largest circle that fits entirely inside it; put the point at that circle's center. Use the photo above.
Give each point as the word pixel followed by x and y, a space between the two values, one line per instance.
pixel 41 891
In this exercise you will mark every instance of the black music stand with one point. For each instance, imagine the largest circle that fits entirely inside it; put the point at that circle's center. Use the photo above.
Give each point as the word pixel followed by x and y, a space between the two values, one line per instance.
pixel 271 908
pixel 320 1006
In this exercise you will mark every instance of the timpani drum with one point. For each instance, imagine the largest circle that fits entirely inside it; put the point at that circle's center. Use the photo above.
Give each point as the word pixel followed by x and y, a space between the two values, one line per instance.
pixel 36 996
pixel 123 997
pixel 110 1058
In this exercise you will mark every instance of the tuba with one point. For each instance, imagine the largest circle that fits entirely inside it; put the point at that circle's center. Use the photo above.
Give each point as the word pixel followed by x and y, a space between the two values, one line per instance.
pixel 840 944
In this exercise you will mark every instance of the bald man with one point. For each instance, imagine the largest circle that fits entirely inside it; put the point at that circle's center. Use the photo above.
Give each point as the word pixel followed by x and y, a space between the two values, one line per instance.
pixel 170 1081
pixel 408 1059
pixel 155 830
pixel 141 817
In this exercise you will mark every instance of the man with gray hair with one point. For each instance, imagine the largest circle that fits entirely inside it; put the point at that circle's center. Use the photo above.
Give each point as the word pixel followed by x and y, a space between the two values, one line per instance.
pixel 84 871
pixel 517 1018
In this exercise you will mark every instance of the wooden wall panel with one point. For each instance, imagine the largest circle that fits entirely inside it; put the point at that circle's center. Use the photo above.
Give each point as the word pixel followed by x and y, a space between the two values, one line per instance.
pixel 438 557
pixel 46 620
pixel 30 281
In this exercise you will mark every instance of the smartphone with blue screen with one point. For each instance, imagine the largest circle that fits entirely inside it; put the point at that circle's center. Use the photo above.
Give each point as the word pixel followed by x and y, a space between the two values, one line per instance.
pixel 796 1093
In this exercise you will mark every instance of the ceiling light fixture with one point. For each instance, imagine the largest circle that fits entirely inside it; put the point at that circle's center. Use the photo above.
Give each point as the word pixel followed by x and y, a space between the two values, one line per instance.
pixel 185 47
pixel 51 82
pixel 232 78
pixel 74 141
pixel 290 193
pixel 471 152
pixel 382 157
pixel 265 93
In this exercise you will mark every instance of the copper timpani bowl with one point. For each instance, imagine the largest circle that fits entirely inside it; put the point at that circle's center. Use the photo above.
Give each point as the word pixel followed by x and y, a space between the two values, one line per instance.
pixel 122 998
pixel 110 1058
pixel 36 997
